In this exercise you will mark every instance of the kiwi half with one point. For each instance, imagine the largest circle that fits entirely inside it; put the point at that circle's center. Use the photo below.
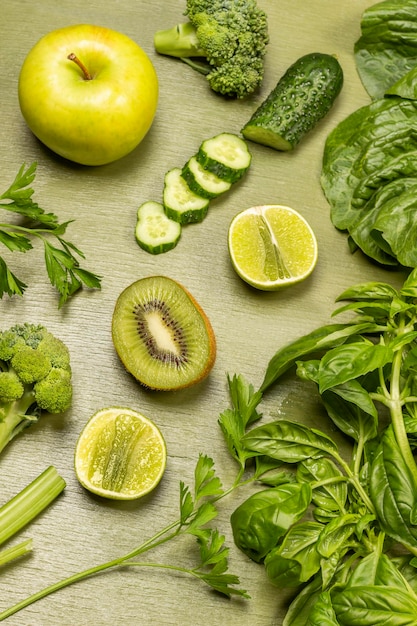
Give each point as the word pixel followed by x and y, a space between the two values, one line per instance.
pixel 162 335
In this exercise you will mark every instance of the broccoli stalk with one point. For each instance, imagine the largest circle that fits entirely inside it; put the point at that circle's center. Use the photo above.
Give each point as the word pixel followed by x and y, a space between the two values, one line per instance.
pixel 35 376
pixel 179 41
pixel 14 417
pixel 224 39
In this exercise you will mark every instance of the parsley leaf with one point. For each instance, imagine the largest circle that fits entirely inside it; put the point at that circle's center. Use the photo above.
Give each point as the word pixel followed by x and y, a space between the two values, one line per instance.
pixel 61 261
pixel 233 422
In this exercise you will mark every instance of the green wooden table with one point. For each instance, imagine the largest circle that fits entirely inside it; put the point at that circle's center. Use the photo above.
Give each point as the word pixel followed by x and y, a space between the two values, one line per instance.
pixel 80 530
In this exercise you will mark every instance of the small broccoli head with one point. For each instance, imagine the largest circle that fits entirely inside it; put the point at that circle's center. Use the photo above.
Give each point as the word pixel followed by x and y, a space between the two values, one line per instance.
pixel 54 392
pixel 218 42
pixel 9 343
pixel 11 387
pixel 35 376
pixel 55 350
pixel 32 351
pixel 37 358
pixel 240 76
pixel 30 364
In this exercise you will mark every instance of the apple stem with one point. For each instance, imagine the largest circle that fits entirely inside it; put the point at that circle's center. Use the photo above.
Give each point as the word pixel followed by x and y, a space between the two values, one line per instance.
pixel 73 57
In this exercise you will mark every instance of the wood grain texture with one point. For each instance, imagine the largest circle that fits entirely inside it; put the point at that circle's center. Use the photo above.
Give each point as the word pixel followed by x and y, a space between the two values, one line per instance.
pixel 79 530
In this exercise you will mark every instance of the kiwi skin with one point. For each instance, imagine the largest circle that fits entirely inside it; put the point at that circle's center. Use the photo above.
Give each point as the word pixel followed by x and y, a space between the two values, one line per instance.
pixel 124 336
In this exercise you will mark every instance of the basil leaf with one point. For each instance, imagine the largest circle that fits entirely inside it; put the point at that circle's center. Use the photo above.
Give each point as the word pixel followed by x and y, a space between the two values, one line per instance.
pixel 300 608
pixel 349 405
pixel 393 490
pixel 409 287
pixel 369 292
pixel 352 410
pixel 296 559
pixel 260 521
pixel 375 606
pixel 377 569
pixel 289 441
pixel 324 515
pixel 336 534
pixel 270 472
pixel 376 310
pixel 322 338
pixel 330 496
pixel 330 566
pixel 322 613
pixel 404 564
pixel 350 361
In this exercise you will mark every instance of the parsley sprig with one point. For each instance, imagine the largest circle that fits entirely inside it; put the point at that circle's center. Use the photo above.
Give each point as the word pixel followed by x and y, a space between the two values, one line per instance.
pixel 197 508
pixel 61 261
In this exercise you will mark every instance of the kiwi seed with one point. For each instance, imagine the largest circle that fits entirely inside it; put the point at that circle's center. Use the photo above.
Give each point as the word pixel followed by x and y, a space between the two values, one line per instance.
pixel 162 335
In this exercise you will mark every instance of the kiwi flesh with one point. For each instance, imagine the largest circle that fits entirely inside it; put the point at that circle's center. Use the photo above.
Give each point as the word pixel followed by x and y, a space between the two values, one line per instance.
pixel 162 335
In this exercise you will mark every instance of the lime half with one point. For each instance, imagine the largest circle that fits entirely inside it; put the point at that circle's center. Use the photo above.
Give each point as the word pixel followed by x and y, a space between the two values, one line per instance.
pixel 272 246
pixel 120 454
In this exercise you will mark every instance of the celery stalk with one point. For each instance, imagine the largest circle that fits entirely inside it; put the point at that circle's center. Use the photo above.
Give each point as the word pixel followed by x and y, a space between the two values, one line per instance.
pixel 29 502
pixel 14 552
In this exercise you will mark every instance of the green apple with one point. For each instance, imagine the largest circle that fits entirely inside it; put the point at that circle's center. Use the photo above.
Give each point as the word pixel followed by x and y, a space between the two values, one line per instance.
pixel 89 93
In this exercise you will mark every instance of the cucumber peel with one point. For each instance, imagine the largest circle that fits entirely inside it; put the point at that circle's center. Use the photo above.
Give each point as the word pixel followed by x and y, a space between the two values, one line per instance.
pixel 301 98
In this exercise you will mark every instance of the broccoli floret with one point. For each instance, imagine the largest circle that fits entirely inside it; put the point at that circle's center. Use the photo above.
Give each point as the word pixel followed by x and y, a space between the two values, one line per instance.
pixel 35 376
pixel 224 39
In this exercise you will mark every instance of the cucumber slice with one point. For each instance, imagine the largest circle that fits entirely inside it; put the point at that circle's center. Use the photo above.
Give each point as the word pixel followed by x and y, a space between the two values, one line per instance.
pixel 181 204
pixel 203 182
pixel 226 155
pixel 155 232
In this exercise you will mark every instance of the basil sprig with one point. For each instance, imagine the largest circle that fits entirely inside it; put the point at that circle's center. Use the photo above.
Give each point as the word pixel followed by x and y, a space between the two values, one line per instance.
pixel 341 530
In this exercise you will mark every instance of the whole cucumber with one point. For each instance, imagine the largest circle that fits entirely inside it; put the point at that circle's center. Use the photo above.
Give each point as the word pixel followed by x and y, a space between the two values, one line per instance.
pixel 302 97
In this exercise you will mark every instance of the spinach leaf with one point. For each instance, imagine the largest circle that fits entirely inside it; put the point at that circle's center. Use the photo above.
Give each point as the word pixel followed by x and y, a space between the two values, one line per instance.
pixel 369 177
pixel 347 142
pixel 396 224
pixel 405 87
pixel 387 48
pixel 393 168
